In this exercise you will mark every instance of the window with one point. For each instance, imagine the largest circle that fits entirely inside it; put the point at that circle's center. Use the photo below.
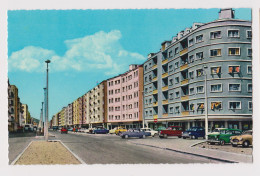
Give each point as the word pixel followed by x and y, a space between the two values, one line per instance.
pixel 215 35
pixel 235 105
pixel 177 109
pixel 200 106
pixel 249 87
pixel 192 107
pixel 177 94
pixel 249 69
pixel 171 82
pixel 216 105
pixel 171 96
pixel 216 88
pixel 233 33
pixel 176 50
pixel 199 55
pixel 177 80
pixel 200 89
pixel 215 70
pixel 234 69
pixel 191 58
pixel 199 38
pixel 176 64
pixel 192 91
pixel 170 68
pixel 170 53
pixel 249 52
pixel 191 74
pixel 215 52
pixel 199 72
pixel 249 34
pixel 145 68
pixel 191 42
pixel 234 87
pixel 171 110
pixel 234 51
pixel 250 105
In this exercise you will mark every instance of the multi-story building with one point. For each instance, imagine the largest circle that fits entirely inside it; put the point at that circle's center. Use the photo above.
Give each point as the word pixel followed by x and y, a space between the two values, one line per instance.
pixel 85 109
pixel 70 114
pixel 62 116
pixel 13 108
pixel 205 71
pixel 26 114
pixel 124 98
pixel 77 112
pixel 97 105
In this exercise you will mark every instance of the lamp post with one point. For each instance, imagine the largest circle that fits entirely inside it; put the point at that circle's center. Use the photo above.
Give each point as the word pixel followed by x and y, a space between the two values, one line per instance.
pixel 41 118
pixel 47 102
pixel 143 107
pixel 206 104
pixel 44 111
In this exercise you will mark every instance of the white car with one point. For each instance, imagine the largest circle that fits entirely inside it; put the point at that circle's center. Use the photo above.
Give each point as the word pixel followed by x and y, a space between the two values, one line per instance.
pixel 153 132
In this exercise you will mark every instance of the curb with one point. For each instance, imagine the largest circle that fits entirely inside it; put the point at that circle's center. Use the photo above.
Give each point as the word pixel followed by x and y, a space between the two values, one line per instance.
pixel 188 153
pixel 18 157
pixel 76 156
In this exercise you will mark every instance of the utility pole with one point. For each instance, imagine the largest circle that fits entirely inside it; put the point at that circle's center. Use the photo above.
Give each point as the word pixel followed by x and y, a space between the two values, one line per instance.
pixel 44 111
pixel 41 121
pixel 206 105
pixel 47 101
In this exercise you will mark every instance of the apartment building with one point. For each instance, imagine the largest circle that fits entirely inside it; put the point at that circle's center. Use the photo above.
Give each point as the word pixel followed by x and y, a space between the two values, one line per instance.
pixel 204 71
pixel 86 106
pixel 124 98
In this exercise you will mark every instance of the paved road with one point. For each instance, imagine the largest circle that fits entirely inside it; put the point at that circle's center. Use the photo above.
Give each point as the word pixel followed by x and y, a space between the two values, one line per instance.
pixel 111 149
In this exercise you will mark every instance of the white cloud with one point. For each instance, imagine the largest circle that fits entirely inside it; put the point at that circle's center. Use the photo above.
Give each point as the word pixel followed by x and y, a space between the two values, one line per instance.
pixel 93 53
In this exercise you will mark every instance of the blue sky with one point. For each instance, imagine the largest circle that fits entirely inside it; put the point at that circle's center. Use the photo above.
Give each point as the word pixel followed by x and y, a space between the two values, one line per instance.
pixel 86 46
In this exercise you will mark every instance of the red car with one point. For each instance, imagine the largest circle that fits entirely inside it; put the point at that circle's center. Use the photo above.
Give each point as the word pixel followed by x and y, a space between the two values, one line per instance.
pixel 171 131
pixel 64 130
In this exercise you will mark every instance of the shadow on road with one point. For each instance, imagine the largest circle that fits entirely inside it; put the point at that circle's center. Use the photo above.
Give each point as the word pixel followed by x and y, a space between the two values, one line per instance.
pixel 22 134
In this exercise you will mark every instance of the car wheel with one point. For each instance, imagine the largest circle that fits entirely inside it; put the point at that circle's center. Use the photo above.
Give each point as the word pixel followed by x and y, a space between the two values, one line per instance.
pixel 155 135
pixel 210 143
pixel 179 136
pixel 192 137
pixel 245 144
pixel 222 142
pixel 183 137
pixel 126 136
pixel 165 136
pixel 234 145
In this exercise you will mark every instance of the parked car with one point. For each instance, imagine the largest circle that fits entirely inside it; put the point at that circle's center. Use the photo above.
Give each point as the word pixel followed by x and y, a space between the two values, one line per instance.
pixel 113 131
pixel 55 128
pixel 217 130
pixel 194 133
pixel 90 130
pixel 70 129
pixel 153 132
pixel 134 133
pixel 100 130
pixel 63 130
pixel 245 139
pixel 159 129
pixel 120 130
pixel 171 131
pixel 223 137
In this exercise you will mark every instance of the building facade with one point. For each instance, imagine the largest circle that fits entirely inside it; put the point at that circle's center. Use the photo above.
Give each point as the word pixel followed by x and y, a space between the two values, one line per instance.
pixel 77 112
pixel 205 71
pixel 124 98
pixel 86 113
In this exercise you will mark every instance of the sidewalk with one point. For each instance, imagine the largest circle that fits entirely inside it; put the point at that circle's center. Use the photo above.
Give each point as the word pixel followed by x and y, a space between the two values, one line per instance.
pixel 185 146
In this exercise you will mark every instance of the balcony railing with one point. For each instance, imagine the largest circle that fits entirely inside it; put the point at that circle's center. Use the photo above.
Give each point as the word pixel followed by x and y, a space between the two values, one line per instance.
pixel 185 113
pixel 155 103
pixel 155 79
pixel 155 91
pixel 164 75
pixel 185 97
pixel 185 81
pixel 164 61
pixel 184 51
pixel 164 88
pixel 184 66
pixel 165 115
pixel 155 66
pixel 165 102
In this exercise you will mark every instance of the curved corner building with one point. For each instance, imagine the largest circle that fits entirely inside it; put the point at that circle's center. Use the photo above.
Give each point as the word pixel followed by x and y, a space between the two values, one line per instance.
pixel 206 70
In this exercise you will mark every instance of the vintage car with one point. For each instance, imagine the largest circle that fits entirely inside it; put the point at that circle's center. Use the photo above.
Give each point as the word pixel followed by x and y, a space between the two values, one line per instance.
pixel 100 130
pixel 171 131
pixel 217 130
pixel 194 133
pixel 63 130
pixel 223 137
pixel 120 130
pixel 245 139
pixel 134 133
pixel 153 132
pixel 113 131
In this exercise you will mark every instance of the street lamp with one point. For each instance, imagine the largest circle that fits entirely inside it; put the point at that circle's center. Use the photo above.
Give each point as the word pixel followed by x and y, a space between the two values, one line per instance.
pixel 42 118
pixel 47 102
pixel 206 103
pixel 143 107
pixel 44 111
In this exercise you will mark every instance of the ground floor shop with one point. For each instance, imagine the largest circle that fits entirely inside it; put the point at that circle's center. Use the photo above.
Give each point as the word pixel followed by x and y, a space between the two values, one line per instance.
pixel 126 125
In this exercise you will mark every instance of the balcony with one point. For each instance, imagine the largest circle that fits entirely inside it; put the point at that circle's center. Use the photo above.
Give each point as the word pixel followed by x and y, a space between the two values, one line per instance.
pixel 185 81
pixel 155 103
pixel 184 51
pixel 155 66
pixel 155 116
pixel 164 75
pixel 164 102
pixel 164 88
pixel 164 61
pixel 165 115
pixel 185 97
pixel 154 79
pixel 185 113
pixel 184 66
pixel 155 91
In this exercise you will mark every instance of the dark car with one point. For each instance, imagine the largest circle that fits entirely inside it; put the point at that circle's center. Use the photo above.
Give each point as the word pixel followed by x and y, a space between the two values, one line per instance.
pixel 194 133
pixel 63 130
pixel 55 128
pixel 223 137
pixel 135 133
pixel 100 130
pixel 171 131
